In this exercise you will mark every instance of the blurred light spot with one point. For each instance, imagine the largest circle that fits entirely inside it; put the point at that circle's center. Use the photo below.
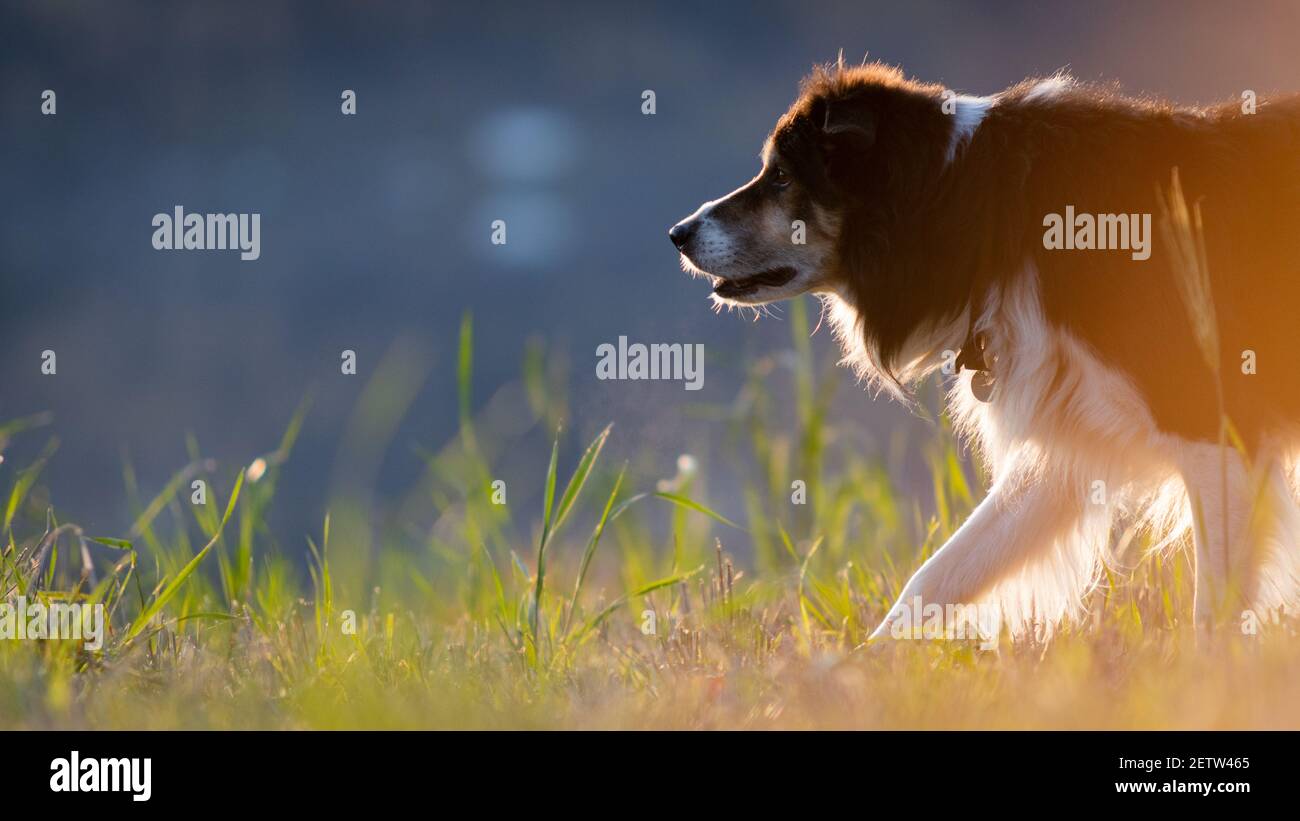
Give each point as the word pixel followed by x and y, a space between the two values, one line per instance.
pixel 256 470
pixel 687 466
pixel 525 144
pixel 539 226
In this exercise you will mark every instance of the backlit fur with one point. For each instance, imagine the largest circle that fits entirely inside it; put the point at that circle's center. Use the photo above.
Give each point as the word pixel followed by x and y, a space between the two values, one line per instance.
pixel 926 213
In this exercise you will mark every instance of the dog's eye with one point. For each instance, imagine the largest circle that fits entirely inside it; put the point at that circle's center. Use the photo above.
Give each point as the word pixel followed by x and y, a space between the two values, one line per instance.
pixel 780 179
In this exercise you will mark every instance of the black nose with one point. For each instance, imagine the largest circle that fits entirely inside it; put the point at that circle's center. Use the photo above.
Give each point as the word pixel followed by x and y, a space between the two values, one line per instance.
pixel 681 233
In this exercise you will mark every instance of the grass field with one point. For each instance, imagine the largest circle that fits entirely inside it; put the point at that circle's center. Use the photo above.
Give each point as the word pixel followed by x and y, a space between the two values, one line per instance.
pixel 457 612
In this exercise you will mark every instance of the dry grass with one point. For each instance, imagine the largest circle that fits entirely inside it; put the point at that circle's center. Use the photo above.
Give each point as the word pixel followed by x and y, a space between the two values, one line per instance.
pixel 456 627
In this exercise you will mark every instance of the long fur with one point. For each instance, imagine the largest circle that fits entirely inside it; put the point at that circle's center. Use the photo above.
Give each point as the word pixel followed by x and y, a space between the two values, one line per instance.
pixel 1103 410
pixel 1103 405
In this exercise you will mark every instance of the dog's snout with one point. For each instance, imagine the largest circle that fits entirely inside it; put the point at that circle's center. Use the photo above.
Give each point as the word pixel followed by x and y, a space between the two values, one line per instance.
pixel 681 233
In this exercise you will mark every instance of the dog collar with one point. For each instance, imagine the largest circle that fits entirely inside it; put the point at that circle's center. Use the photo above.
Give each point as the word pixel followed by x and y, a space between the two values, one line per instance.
pixel 971 357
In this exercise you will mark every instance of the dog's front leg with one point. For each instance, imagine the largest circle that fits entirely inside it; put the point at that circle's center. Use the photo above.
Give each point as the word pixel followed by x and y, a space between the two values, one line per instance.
pixel 1218 486
pixel 1019 519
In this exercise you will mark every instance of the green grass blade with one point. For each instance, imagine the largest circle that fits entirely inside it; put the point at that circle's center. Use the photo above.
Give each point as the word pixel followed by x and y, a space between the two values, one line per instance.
pixel 567 500
pixel 579 478
pixel 26 478
pixel 691 504
pixel 146 615
pixel 591 547
pixel 465 379
pixel 600 617
pixel 159 502
pixel 36 420
pixel 547 503
pixel 120 544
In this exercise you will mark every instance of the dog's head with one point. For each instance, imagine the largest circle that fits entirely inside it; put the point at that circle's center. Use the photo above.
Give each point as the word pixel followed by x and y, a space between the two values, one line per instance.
pixel 853 152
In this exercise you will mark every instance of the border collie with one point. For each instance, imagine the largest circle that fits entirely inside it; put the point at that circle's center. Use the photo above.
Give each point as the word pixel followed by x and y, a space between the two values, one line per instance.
pixel 1008 240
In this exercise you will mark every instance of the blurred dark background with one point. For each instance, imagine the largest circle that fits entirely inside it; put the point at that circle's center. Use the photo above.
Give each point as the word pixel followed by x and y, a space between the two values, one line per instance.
pixel 375 228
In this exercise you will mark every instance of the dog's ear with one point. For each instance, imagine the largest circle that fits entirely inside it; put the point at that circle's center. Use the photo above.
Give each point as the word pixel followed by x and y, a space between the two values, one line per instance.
pixel 847 133
pixel 848 123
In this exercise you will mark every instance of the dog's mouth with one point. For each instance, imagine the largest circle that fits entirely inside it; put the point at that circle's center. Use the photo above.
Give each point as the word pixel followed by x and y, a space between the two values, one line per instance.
pixel 746 286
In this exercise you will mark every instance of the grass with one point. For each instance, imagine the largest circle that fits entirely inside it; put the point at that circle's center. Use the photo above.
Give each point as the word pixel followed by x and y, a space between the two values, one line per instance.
pixel 624 601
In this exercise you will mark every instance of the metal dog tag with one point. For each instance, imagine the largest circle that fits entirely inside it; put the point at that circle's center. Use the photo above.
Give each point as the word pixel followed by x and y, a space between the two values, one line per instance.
pixel 981 385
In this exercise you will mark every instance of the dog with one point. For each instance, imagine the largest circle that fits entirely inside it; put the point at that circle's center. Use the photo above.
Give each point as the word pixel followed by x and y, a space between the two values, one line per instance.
pixel 1089 358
